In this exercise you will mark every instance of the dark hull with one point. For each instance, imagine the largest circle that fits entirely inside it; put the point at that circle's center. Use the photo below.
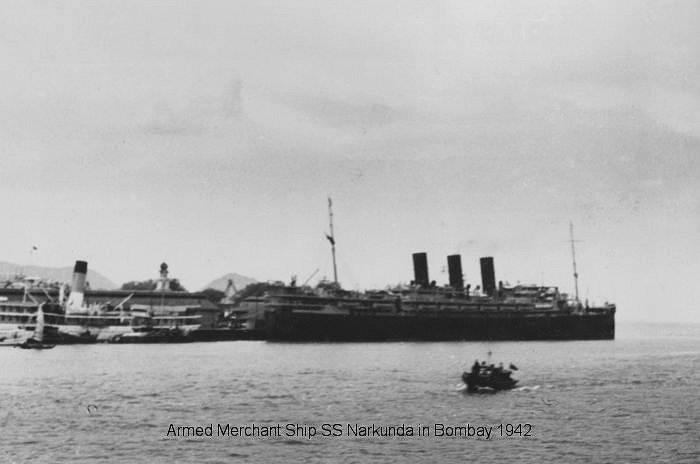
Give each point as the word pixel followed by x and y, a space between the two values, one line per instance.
pixel 293 325
pixel 66 339
pixel 36 347
pixel 475 382
pixel 33 344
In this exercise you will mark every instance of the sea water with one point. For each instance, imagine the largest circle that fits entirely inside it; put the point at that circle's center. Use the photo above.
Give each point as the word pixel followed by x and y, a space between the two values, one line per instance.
pixel 633 399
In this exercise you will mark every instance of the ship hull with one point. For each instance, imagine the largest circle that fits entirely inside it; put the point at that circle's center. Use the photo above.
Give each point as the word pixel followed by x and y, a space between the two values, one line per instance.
pixel 310 326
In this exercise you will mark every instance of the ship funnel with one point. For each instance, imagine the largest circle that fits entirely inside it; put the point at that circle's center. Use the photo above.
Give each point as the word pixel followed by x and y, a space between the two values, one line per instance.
pixel 163 283
pixel 454 267
pixel 75 299
pixel 488 276
pixel 420 269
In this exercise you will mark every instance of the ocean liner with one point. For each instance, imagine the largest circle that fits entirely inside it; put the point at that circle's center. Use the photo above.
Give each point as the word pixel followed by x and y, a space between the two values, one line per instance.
pixel 423 311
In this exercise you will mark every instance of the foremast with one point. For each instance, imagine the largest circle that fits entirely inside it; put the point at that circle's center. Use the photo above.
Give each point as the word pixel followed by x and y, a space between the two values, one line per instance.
pixel 573 257
pixel 331 238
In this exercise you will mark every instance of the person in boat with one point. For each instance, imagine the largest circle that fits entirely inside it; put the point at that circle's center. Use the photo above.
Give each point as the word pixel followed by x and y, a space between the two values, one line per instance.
pixel 485 370
pixel 476 367
pixel 502 371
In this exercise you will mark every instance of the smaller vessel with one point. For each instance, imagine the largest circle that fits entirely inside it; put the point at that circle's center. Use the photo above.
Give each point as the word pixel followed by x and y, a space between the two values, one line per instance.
pixel 152 335
pixel 485 377
pixel 36 341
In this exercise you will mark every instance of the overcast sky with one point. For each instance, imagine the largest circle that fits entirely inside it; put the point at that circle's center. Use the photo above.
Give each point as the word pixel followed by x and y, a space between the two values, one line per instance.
pixel 209 134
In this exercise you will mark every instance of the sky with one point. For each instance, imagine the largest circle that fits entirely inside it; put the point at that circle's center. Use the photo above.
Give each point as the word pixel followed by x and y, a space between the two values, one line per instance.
pixel 209 135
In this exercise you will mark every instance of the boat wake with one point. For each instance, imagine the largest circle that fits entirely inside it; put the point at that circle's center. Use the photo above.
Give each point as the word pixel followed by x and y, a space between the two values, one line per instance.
pixel 527 388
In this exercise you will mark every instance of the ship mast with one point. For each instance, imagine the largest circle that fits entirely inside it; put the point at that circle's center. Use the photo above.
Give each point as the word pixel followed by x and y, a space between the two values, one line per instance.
pixel 573 256
pixel 331 238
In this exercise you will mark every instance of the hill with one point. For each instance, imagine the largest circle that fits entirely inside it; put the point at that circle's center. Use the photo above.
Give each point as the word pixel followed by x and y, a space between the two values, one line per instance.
pixel 221 283
pixel 59 274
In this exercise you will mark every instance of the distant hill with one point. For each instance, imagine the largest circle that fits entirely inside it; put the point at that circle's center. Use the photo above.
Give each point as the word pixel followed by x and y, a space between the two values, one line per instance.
pixel 221 283
pixel 58 274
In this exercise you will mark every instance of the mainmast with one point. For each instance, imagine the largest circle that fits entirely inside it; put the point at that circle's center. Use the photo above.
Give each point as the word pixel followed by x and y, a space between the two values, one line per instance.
pixel 573 256
pixel 331 238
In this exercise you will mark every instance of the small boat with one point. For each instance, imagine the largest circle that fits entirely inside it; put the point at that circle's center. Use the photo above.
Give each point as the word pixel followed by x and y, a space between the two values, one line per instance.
pixel 33 344
pixel 488 378
pixel 36 341
pixel 152 335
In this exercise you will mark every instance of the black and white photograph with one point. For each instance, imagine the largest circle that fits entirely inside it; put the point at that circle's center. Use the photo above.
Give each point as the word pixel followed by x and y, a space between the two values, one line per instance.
pixel 321 231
